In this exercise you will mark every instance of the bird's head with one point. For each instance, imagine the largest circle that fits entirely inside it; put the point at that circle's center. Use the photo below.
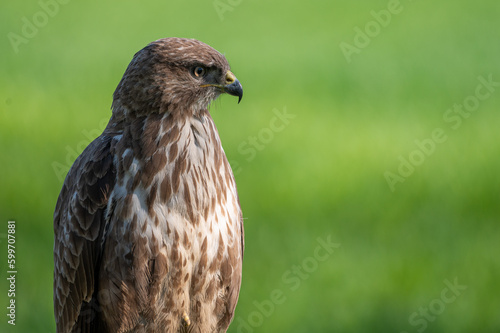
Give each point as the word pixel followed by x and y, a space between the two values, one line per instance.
pixel 174 75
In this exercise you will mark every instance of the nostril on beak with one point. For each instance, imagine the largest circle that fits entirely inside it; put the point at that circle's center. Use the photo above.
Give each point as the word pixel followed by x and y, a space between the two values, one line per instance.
pixel 230 78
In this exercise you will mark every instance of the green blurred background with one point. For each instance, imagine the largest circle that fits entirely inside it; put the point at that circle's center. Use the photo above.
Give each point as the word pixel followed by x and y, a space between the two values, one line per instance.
pixel 321 173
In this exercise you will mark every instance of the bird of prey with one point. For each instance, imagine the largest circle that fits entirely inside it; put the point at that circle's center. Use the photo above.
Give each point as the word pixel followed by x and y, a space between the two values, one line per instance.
pixel 148 227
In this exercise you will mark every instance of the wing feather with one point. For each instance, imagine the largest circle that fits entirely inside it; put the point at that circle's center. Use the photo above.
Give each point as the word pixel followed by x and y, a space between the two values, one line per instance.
pixel 79 223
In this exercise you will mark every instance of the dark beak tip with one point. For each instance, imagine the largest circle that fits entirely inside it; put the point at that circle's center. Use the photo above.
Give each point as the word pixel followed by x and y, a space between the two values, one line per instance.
pixel 235 89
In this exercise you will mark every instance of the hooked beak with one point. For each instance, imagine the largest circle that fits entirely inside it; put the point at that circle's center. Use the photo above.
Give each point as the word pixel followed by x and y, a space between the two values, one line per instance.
pixel 233 86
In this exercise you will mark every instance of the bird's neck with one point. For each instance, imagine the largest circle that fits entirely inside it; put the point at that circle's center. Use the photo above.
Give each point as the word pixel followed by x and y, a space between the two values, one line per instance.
pixel 149 133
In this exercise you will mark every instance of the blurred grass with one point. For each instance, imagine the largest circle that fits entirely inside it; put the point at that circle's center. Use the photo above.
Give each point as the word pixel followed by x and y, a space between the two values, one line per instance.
pixel 321 176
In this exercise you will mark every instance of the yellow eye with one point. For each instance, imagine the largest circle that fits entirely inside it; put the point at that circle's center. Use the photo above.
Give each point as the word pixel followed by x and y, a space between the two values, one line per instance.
pixel 198 71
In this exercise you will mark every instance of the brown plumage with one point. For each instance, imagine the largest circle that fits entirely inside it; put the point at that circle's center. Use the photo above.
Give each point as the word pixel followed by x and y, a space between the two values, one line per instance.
pixel 148 227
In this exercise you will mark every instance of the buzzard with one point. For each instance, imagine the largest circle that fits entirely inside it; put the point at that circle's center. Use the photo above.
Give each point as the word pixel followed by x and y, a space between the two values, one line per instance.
pixel 148 227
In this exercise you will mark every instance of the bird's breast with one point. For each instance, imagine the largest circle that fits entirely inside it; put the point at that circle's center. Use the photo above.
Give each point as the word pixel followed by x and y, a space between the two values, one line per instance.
pixel 175 223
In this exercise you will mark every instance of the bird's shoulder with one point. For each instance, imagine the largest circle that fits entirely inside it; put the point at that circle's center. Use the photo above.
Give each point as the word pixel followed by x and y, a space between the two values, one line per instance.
pixel 90 178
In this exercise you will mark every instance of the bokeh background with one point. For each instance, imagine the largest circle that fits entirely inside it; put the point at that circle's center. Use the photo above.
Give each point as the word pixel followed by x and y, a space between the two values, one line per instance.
pixel 317 136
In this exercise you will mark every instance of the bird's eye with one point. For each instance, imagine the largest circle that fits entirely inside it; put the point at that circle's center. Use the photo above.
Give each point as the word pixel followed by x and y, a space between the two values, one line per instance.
pixel 199 71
